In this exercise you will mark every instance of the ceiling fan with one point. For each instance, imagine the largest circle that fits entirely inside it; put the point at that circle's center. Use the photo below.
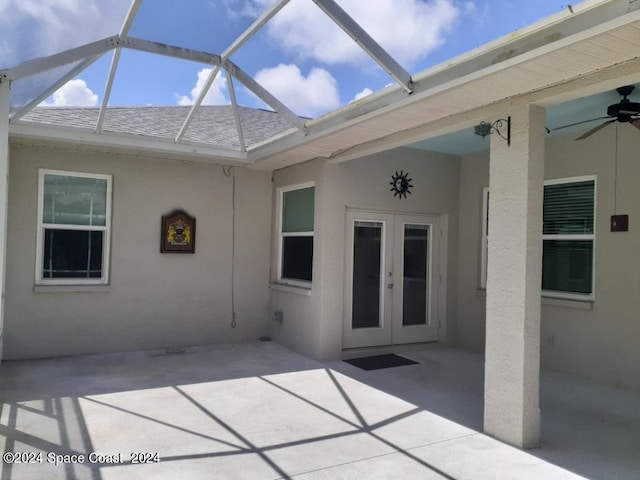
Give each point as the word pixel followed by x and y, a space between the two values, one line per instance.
pixel 625 111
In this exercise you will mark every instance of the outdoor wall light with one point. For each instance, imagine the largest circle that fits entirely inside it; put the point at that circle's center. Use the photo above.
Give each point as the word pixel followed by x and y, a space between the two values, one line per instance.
pixel 483 129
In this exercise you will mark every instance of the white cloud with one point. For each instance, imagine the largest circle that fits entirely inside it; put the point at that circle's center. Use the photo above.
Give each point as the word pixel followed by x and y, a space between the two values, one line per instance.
pixel 407 29
pixel 364 93
pixel 36 28
pixel 74 93
pixel 241 8
pixel 308 96
pixel 216 94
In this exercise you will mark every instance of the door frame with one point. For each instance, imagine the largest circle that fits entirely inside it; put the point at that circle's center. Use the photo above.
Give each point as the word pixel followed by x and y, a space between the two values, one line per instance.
pixel 354 339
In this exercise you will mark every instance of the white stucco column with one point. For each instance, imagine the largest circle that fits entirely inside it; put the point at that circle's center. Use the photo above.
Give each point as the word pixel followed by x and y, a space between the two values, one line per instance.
pixel 4 197
pixel 512 365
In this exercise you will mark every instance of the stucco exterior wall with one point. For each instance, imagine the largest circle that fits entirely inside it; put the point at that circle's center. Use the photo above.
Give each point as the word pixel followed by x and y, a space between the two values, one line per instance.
pixel 474 176
pixel 301 310
pixel 315 323
pixel 599 340
pixel 154 300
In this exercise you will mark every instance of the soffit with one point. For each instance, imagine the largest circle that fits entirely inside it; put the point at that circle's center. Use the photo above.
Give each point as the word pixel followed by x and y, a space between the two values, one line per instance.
pixel 545 70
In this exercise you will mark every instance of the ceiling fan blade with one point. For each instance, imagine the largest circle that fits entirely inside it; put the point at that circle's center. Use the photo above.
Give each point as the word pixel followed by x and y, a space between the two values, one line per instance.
pixel 594 130
pixel 636 123
pixel 579 123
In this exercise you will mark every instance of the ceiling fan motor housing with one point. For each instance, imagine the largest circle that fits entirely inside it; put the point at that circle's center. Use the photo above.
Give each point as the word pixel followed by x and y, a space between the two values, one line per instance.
pixel 625 109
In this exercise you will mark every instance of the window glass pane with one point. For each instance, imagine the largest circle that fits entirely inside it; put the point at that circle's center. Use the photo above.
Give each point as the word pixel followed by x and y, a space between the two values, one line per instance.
pixel 75 200
pixel 568 208
pixel 416 257
pixel 367 244
pixel 297 210
pixel 567 265
pixel 297 258
pixel 72 254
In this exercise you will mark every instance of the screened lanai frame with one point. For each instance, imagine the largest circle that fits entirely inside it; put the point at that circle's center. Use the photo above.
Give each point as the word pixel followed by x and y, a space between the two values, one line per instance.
pixel 68 64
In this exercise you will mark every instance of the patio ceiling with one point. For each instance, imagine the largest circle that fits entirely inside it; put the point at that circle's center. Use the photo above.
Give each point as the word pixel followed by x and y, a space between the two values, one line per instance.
pixel 577 53
pixel 587 112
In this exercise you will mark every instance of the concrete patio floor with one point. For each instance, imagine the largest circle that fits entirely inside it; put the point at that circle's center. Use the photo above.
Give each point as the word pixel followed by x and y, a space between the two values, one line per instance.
pixel 259 411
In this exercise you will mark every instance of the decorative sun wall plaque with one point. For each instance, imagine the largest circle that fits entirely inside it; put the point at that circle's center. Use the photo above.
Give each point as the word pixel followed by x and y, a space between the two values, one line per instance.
pixel 401 184
pixel 178 233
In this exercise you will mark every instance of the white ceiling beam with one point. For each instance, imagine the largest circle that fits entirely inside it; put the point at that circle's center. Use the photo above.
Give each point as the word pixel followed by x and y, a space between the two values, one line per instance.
pixel 82 136
pixel 366 42
pixel 107 89
pixel 253 29
pixel 53 88
pixel 263 94
pixel 60 59
pixel 240 40
pixel 236 113
pixel 124 30
pixel 169 50
pixel 203 92
pixel 131 16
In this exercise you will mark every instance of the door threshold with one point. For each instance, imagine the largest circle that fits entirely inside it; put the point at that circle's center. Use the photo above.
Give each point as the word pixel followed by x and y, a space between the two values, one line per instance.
pixel 348 353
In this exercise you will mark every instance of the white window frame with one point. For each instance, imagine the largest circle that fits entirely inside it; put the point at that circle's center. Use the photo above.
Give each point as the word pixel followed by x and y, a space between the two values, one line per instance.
pixel 584 236
pixel 591 237
pixel 281 235
pixel 41 226
pixel 485 238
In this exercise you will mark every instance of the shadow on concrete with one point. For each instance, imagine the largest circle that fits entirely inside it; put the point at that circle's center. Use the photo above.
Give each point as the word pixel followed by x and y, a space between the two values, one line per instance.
pixel 260 411
pixel 586 428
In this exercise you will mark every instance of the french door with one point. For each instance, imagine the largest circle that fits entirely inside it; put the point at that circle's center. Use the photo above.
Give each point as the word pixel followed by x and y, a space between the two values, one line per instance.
pixel 392 279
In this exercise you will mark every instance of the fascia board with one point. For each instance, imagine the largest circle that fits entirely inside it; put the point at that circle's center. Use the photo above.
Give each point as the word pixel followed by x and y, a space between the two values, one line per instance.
pixel 122 141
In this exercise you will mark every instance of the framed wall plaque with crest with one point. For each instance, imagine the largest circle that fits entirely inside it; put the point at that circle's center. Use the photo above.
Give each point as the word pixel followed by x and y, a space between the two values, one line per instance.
pixel 178 234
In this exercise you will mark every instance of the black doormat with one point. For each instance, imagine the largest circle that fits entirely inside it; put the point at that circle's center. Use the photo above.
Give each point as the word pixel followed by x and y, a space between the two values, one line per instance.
pixel 378 362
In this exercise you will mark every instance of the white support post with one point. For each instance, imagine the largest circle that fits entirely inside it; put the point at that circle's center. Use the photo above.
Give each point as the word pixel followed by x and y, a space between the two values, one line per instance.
pixel 4 193
pixel 512 364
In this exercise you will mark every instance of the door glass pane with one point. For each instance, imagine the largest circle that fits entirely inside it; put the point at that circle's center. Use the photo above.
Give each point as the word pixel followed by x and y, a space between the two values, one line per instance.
pixel 367 247
pixel 415 282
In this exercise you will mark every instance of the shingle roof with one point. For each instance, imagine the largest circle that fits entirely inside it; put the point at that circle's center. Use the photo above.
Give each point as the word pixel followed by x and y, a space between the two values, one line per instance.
pixel 211 125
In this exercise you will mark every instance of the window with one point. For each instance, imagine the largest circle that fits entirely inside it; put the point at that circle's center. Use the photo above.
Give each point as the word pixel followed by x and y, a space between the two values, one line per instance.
pixel 568 237
pixel 296 234
pixel 74 216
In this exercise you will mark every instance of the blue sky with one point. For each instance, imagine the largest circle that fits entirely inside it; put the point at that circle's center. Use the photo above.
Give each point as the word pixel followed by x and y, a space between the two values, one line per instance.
pixel 300 56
